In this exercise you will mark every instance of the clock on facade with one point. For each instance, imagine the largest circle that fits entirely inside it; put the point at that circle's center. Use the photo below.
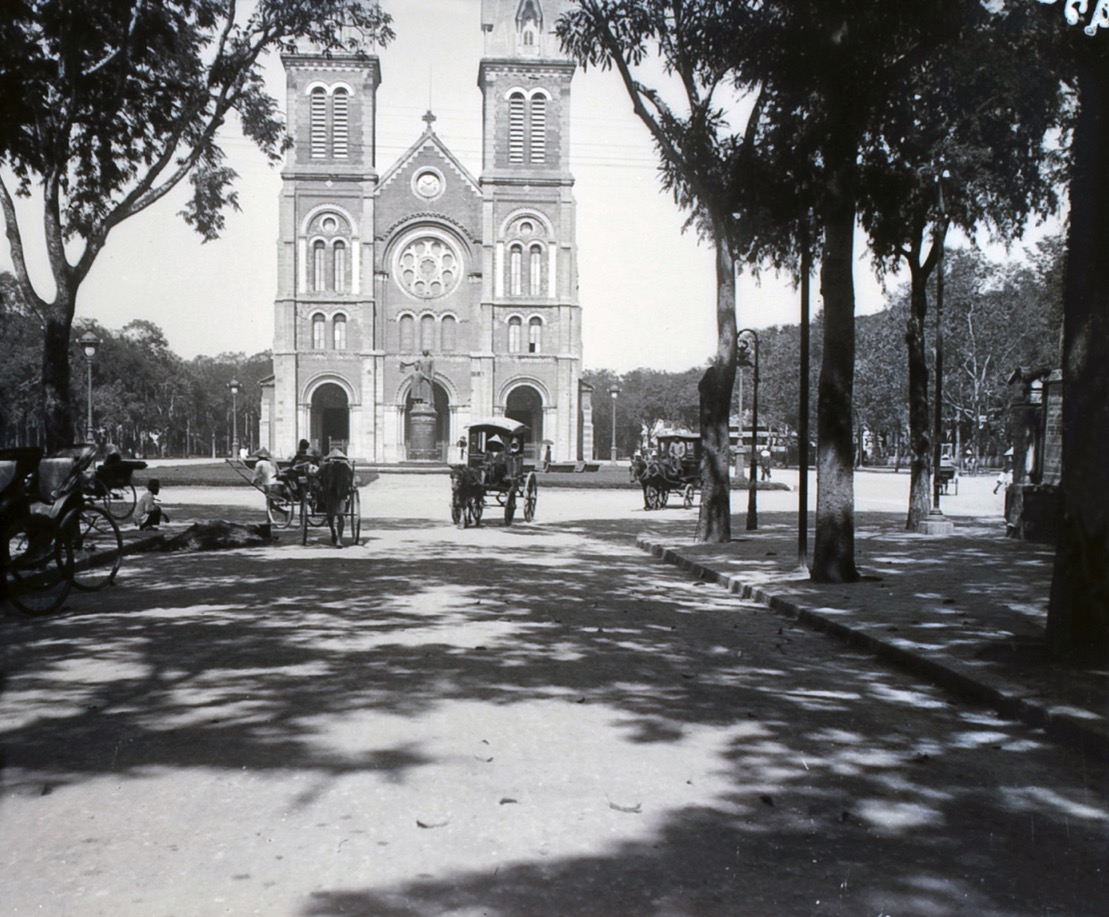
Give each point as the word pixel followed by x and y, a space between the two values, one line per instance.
pixel 428 184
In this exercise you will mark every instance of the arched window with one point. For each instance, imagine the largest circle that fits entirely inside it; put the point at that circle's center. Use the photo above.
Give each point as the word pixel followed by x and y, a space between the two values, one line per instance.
pixel 340 123
pixel 535 335
pixel 339 332
pixel 538 151
pixel 407 333
pixel 535 271
pixel 318 126
pixel 319 332
pixel 514 329
pixel 339 260
pixel 515 270
pixel 319 266
pixel 517 105
pixel 448 330
pixel 427 333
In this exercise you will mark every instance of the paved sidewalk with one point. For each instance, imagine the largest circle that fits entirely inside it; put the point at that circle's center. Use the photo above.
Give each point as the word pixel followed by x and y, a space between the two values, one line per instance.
pixel 967 611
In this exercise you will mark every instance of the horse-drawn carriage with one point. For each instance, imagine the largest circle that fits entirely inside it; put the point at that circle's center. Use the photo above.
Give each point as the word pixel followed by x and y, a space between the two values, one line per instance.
pixel 673 467
pixel 494 467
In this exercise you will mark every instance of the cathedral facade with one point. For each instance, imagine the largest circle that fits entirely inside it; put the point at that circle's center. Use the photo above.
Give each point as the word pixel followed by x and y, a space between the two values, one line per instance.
pixel 425 283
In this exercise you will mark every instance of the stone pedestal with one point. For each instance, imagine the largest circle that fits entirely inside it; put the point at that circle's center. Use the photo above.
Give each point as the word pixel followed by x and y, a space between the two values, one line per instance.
pixel 936 524
pixel 421 429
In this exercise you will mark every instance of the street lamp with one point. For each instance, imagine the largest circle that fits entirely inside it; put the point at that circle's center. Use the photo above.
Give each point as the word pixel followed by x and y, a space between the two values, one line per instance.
pixel 234 386
pixel 90 343
pixel 744 358
pixel 937 432
pixel 614 391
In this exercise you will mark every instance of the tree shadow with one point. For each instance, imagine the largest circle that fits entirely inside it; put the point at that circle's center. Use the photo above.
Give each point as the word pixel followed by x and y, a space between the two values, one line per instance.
pixel 826 780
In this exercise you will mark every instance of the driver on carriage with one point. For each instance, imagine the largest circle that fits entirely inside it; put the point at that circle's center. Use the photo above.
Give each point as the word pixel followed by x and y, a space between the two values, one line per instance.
pixel 496 465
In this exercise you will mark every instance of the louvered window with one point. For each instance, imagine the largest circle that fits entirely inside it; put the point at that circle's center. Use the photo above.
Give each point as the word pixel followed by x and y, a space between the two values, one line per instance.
pixel 538 129
pixel 535 335
pixel 516 113
pixel 535 271
pixel 319 328
pixel 318 128
pixel 319 257
pixel 514 328
pixel 427 333
pixel 340 124
pixel 515 271
pixel 339 333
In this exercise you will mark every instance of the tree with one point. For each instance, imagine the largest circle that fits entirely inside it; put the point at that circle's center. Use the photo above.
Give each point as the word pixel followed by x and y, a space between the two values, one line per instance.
pixel 112 104
pixel 698 153
pixel 20 396
pixel 961 144
pixel 1078 610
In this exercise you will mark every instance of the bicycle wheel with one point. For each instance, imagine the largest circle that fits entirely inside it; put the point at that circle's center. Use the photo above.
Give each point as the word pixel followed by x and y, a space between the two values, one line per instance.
pixel 97 547
pixel 120 501
pixel 354 514
pixel 37 566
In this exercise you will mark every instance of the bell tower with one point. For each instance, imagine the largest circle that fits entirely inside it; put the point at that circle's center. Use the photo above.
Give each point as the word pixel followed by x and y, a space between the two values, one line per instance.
pixel 324 309
pixel 530 310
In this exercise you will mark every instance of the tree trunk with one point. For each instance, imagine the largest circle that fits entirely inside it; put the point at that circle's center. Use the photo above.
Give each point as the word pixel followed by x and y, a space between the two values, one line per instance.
pixel 60 430
pixel 1078 612
pixel 834 545
pixel 920 440
pixel 714 523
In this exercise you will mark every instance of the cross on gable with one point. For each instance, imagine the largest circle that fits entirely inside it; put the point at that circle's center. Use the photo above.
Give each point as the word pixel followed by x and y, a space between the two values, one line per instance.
pixel 428 118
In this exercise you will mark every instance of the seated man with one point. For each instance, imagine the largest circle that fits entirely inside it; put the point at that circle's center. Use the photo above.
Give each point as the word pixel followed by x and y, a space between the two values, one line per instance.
pixel 496 466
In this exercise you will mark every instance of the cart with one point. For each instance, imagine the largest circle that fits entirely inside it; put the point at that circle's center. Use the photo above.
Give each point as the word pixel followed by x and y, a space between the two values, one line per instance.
pixel 110 484
pixel 495 468
pixel 296 496
pixel 674 467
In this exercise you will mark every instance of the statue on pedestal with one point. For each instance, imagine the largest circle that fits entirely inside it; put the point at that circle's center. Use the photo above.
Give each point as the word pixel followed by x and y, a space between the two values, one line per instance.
pixel 423 377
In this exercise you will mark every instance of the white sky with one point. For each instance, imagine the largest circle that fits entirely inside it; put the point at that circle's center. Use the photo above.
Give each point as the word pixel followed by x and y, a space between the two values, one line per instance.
pixel 647 290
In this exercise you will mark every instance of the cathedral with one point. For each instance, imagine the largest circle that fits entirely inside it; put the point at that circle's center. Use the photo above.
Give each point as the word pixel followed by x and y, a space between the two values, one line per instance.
pixel 425 292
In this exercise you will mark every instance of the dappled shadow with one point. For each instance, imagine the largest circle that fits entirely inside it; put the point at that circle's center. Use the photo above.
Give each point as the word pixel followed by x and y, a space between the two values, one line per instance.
pixel 799 771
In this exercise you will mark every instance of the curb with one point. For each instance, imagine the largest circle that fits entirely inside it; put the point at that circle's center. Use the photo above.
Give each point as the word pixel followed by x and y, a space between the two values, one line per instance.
pixel 1080 730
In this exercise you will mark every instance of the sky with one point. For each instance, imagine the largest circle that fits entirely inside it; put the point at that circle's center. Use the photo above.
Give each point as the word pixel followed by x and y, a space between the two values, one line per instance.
pixel 647 289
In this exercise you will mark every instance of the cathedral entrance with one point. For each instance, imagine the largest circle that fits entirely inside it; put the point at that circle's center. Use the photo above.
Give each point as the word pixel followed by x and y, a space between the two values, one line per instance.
pixel 442 404
pixel 329 424
pixel 525 405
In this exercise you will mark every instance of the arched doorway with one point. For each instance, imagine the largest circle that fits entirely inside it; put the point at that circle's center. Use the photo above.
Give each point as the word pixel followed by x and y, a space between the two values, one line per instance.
pixel 442 403
pixel 525 404
pixel 330 419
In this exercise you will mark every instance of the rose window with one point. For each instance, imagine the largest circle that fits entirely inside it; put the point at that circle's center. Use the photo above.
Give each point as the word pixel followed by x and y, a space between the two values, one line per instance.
pixel 428 267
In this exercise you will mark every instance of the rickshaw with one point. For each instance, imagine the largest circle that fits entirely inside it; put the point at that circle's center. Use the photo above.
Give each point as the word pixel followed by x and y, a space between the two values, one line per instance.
pixel 674 466
pixel 296 496
pixel 494 467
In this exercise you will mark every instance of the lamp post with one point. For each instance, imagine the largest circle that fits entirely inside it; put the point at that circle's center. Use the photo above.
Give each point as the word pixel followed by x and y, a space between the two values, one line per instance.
pixel 745 358
pixel 90 343
pixel 614 391
pixel 937 432
pixel 234 386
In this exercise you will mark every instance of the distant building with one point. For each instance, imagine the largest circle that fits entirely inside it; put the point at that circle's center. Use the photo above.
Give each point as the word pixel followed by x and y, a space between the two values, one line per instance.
pixel 480 271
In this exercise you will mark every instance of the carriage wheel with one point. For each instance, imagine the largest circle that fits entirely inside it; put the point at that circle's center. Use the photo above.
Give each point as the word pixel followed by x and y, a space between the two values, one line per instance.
pixel 313 501
pixel 281 509
pixel 531 496
pixel 37 566
pixel 510 507
pixel 687 496
pixel 97 546
pixel 354 512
